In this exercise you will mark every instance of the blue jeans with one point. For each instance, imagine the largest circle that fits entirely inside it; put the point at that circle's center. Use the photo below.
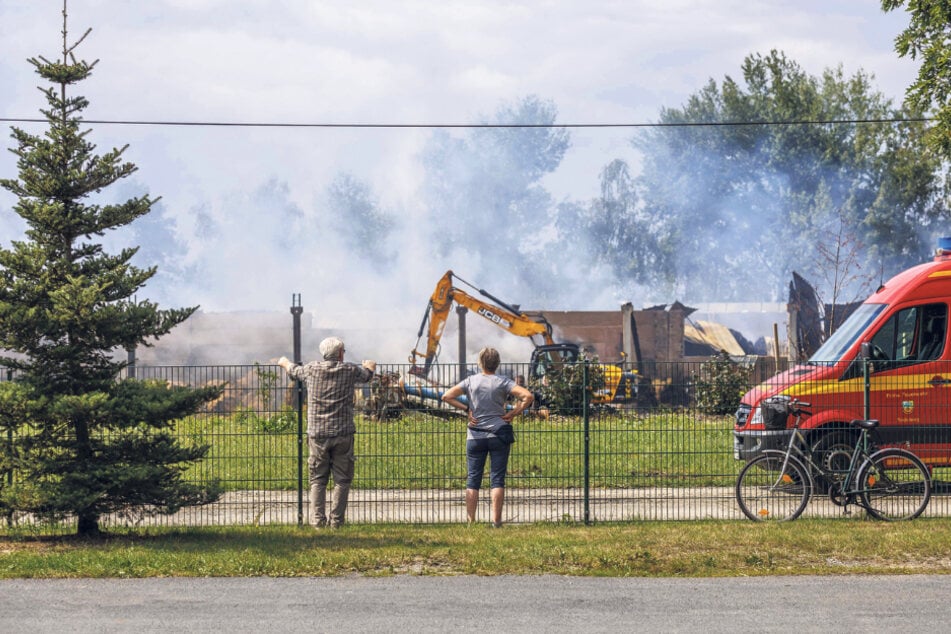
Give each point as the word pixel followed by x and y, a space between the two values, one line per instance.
pixel 476 453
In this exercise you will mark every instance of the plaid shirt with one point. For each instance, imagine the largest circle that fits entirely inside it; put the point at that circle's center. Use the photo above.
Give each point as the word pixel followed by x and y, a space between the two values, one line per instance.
pixel 330 394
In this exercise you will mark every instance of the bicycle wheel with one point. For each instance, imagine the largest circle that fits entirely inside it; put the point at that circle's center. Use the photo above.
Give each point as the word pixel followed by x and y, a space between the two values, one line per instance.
pixel 894 484
pixel 770 489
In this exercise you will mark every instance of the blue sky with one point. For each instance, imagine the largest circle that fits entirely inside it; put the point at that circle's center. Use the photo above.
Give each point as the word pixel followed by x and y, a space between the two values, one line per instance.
pixel 390 61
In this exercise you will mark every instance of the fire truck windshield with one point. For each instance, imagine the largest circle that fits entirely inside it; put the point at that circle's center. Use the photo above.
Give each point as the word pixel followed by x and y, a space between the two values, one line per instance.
pixel 842 339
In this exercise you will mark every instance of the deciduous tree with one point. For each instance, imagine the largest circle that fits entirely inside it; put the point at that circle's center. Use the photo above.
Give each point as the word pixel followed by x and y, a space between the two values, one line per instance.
pixel 928 39
pixel 485 194
pixel 743 200
pixel 357 216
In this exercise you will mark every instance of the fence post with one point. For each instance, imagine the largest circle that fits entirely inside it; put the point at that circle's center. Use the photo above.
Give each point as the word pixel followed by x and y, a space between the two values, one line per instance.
pixel 296 310
pixel 9 513
pixel 10 434
pixel 866 391
pixel 587 444
pixel 461 312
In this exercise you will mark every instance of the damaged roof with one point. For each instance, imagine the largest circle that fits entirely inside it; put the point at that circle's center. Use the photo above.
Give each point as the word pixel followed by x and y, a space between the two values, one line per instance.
pixel 705 338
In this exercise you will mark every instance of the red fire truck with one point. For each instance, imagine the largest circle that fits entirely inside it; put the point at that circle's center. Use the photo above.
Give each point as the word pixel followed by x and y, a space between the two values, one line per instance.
pixel 890 360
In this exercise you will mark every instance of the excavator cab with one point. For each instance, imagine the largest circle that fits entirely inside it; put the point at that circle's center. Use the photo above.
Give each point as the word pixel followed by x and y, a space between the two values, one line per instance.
pixel 549 356
pixel 619 386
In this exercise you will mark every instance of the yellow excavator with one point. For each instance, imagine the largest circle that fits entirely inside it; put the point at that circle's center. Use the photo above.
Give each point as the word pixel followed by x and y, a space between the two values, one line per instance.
pixel 620 386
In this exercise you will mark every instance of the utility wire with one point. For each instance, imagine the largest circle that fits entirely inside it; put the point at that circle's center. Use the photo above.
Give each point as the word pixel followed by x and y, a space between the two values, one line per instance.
pixel 683 124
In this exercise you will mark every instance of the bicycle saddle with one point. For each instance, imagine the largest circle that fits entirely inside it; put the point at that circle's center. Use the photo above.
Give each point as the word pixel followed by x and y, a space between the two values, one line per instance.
pixel 870 423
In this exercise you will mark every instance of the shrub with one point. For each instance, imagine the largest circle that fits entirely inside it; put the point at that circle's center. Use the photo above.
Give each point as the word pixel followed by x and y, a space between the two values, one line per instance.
pixel 720 385
pixel 562 390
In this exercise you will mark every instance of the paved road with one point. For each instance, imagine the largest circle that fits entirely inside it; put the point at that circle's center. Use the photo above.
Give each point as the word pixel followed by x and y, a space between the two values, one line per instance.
pixel 470 604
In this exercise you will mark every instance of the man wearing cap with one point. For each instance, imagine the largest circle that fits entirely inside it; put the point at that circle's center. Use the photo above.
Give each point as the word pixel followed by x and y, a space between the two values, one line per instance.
pixel 330 394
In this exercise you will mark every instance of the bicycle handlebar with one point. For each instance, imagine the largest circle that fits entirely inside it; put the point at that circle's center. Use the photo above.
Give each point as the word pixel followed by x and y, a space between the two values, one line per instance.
pixel 796 407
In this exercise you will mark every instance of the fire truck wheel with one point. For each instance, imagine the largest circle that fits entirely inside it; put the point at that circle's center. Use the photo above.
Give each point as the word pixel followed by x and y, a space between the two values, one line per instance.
pixel 832 452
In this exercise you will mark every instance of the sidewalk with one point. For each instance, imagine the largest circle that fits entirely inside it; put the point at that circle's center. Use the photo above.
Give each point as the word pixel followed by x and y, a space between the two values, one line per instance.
pixel 521 506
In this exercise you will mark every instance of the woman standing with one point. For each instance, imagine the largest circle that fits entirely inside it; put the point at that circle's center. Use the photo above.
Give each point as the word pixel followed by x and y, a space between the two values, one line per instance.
pixel 490 430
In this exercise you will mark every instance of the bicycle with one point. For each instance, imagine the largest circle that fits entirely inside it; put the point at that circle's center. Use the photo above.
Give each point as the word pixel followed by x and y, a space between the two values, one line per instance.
pixel 890 483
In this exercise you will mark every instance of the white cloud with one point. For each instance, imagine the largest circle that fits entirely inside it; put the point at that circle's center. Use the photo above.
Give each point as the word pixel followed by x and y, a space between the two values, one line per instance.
pixel 481 80
pixel 390 61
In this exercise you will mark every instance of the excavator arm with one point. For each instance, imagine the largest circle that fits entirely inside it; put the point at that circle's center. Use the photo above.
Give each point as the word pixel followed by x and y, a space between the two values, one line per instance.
pixel 501 314
pixel 619 386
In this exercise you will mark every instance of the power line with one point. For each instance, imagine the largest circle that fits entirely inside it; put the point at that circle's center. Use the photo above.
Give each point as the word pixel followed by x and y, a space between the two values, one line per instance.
pixel 682 124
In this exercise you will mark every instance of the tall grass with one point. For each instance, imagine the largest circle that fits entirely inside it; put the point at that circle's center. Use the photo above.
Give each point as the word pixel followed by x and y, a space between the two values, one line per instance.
pixel 422 451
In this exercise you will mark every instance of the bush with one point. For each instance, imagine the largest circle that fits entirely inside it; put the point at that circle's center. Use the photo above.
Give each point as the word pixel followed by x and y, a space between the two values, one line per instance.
pixel 563 390
pixel 721 384
pixel 268 422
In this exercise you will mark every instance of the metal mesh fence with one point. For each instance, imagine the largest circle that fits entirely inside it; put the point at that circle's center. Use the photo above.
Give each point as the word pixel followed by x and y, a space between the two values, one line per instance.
pixel 670 455
pixel 253 433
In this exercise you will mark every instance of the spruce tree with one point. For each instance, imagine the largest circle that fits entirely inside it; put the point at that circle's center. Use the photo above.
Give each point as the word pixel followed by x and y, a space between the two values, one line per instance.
pixel 78 441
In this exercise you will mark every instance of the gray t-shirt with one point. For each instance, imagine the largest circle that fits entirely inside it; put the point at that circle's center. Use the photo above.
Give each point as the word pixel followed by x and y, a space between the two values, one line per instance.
pixel 486 394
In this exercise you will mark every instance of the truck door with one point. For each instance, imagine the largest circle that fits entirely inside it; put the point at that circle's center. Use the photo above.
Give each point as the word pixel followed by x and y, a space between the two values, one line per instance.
pixel 910 383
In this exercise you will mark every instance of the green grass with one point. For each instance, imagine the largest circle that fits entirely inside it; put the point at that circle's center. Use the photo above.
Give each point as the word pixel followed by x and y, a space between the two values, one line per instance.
pixel 423 451
pixel 645 549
